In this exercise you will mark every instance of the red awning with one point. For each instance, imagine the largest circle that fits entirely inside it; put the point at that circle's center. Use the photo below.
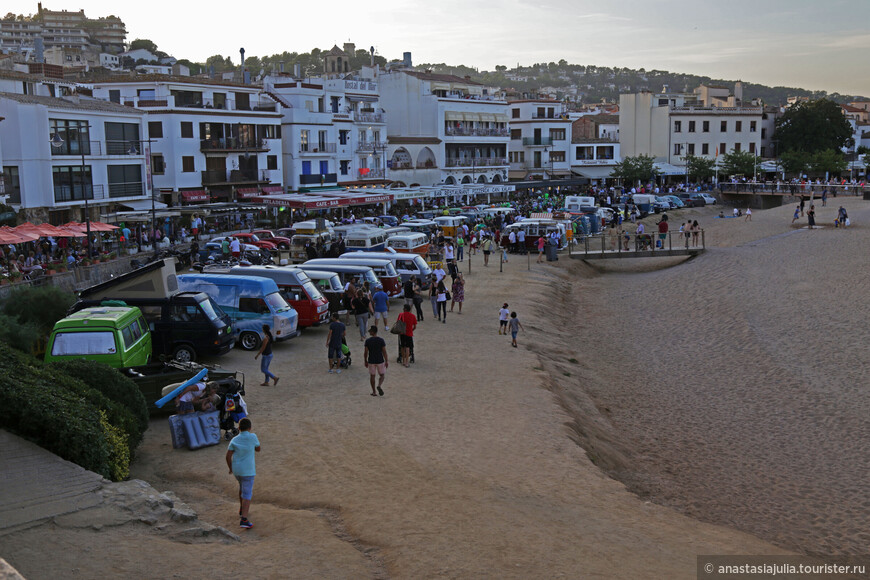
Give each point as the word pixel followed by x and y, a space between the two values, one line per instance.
pixel 247 192
pixel 196 195
pixel 270 189
pixel 324 200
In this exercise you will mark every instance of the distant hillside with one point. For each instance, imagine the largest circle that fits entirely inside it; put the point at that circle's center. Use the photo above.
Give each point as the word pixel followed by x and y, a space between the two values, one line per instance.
pixel 591 84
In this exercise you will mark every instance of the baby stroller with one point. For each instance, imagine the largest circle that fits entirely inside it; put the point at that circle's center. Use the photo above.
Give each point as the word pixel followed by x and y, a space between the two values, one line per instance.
pixel 232 407
pixel 345 360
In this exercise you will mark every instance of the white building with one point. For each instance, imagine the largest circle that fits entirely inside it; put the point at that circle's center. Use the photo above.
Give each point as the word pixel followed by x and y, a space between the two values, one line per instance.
pixel 540 133
pixel 89 159
pixel 110 61
pixel 443 129
pixel 209 140
pixel 707 123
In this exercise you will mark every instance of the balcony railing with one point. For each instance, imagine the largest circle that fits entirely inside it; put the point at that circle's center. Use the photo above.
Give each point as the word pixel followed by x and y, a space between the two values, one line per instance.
pixel 214 177
pixel 372 174
pixel 537 141
pixel 369 118
pixel 126 189
pixel 409 166
pixel 318 178
pixel 63 193
pixel 465 132
pixel 477 162
pixel 233 144
pixel 71 147
pixel 317 148
pixel 371 147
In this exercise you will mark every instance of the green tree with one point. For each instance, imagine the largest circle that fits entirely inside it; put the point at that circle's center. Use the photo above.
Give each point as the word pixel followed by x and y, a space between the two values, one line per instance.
pixel 739 163
pixel 145 44
pixel 700 168
pixel 794 162
pixel 828 162
pixel 813 126
pixel 635 169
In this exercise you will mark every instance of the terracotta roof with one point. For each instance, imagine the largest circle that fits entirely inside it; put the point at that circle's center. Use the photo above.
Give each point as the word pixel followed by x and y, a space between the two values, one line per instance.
pixel 851 109
pixel 79 103
pixel 443 78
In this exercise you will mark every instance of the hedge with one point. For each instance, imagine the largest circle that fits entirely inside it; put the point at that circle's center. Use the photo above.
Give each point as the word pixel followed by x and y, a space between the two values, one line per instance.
pixel 65 416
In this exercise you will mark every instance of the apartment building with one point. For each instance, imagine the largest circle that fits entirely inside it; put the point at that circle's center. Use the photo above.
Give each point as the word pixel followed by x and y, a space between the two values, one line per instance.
pixel 595 149
pixel 206 140
pixel 62 29
pixel 710 122
pixel 443 129
pixel 60 151
pixel 540 138
pixel 334 129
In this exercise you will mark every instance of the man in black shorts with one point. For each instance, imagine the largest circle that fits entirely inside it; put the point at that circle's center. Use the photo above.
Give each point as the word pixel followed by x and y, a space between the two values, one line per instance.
pixel 376 360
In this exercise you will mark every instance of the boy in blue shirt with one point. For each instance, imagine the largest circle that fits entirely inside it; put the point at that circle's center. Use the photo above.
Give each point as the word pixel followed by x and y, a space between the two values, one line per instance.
pixel 382 306
pixel 240 460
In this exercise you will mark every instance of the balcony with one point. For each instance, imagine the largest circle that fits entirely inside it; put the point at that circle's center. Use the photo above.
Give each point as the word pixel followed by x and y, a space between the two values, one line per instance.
pixel 537 141
pixel 408 166
pixel 235 176
pixel 369 118
pixel 466 132
pixel 65 193
pixel 477 162
pixel 366 173
pixel 318 149
pixel 371 147
pixel 318 178
pixel 233 144
pixel 127 189
pixel 71 147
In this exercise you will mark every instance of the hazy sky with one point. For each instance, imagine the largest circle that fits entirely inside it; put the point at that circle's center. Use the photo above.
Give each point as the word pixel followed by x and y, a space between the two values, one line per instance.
pixel 812 44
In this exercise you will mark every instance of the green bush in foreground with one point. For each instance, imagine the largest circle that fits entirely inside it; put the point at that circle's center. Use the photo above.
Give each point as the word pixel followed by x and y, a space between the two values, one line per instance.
pixel 65 416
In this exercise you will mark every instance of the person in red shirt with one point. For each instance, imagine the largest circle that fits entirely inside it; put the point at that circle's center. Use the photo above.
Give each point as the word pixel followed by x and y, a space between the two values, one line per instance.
pixel 663 231
pixel 406 339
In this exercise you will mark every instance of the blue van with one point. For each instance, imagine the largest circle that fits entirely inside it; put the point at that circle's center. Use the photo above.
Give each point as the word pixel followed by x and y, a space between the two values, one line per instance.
pixel 250 302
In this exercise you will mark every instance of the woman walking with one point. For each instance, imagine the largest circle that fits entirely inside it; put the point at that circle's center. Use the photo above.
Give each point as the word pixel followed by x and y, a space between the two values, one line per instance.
pixel 458 291
pixel 433 296
pixel 441 300
pixel 266 351
pixel 362 308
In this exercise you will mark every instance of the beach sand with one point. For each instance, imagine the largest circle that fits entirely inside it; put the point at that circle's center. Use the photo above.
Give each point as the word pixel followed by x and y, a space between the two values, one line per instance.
pixel 726 387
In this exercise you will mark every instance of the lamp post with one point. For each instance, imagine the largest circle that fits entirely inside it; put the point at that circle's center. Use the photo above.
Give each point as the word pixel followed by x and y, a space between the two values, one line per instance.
pixel 57 142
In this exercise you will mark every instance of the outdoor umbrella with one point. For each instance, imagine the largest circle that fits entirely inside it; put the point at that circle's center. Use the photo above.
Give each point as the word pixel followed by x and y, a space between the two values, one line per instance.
pixel 101 227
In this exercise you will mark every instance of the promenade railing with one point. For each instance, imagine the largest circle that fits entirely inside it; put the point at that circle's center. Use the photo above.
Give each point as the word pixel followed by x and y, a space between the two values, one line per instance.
pixel 649 243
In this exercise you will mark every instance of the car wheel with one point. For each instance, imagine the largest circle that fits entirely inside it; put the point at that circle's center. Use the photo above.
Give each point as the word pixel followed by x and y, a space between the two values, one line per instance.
pixel 184 353
pixel 249 340
pixel 284 246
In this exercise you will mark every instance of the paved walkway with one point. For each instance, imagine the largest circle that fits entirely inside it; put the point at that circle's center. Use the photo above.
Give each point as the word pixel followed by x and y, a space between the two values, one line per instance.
pixel 35 484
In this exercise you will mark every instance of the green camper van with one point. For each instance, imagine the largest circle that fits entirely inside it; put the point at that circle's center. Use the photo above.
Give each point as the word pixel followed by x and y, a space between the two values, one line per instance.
pixel 115 335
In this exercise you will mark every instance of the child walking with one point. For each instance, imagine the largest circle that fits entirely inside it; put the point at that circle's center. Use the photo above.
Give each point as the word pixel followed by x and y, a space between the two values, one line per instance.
pixel 515 325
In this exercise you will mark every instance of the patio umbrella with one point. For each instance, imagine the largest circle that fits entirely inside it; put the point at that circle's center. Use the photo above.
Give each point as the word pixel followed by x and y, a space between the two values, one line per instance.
pixel 8 237
pixel 22 236
pixel 102 227
pixel 44 229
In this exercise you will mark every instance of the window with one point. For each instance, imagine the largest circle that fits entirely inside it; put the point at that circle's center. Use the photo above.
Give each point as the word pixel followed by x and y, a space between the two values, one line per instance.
pixel 604 152
pixel 303 140
pixel 737 148
pixel 344 167
pixel 185 313
pixel 722 149
pixel 155 129
pixel 220 100
pixel 723 126
pixel 705 126
pixel 271 162
pixel 12 184
pixel 678 149
pixel 255 305
pixel 83 343
pixel 540 114
pixel 266 132
pixel 691 126
pixel 515 113
pixel 342 136
pixel 557 156
pixel 705 149
pixel 120 137
pixel 557 134
pixel 516 133
pixel 125 180
pixel 73 134
pixel 678 126
pixel 752 147
pixel 115 95
pixel 71 184
pixel 738 126
pixel 763 133
pixel 752 126
pixel 691 149
pixel 585 153
pixel 187 165
pixel 158 164
pixel 186 130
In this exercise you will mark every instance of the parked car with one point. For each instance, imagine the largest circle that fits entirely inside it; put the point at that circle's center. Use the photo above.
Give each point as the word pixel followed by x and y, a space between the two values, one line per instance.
pixel 708 199
pixel 255 241
pixel 688 201
pixel 660 204
pixel 283 242
pixel 675 201
pixel 389 220
pixel 698 199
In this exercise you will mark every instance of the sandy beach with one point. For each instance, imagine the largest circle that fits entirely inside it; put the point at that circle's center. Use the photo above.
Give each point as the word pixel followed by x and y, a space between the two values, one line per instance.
pixel 653 411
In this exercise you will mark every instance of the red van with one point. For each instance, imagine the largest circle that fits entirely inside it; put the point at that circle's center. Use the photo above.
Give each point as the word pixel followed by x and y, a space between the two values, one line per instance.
pixel 296 288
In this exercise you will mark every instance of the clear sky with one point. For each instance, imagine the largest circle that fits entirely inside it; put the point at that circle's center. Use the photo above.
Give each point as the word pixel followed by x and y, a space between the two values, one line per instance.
pixel 813 44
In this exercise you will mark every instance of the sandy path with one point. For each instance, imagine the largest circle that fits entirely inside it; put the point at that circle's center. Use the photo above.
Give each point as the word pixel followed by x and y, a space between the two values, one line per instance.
pixel 468 467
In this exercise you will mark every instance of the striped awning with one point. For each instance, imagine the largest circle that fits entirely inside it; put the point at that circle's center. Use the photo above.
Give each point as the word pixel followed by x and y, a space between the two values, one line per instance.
pixel 453 116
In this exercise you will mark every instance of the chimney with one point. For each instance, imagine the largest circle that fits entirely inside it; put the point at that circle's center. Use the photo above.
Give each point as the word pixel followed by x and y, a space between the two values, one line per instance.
pixel 39 47
pixel 297 70
pixel 372 53
pixel 282 67
pixel 242 52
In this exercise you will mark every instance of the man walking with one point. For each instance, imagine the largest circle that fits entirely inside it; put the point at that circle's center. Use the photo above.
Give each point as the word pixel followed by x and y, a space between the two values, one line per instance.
pixel 240 460
pixel 406 339
pixel 382 306
pixel 375 358
pixel 333 343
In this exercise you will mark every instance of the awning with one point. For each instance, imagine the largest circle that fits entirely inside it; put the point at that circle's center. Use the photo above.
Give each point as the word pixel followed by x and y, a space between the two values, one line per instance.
pixel 487 117
pixel 501 118
pixel 195 195
pixel 668 169
pixel 593 172
pixel 471 117
pixel 270 189
pixel 247 192
pixel 142 204
pixel 453 116
pixel 324 200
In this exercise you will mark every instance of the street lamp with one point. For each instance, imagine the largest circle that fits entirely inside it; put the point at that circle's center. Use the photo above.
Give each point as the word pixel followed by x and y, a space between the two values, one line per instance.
pixel 57 142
